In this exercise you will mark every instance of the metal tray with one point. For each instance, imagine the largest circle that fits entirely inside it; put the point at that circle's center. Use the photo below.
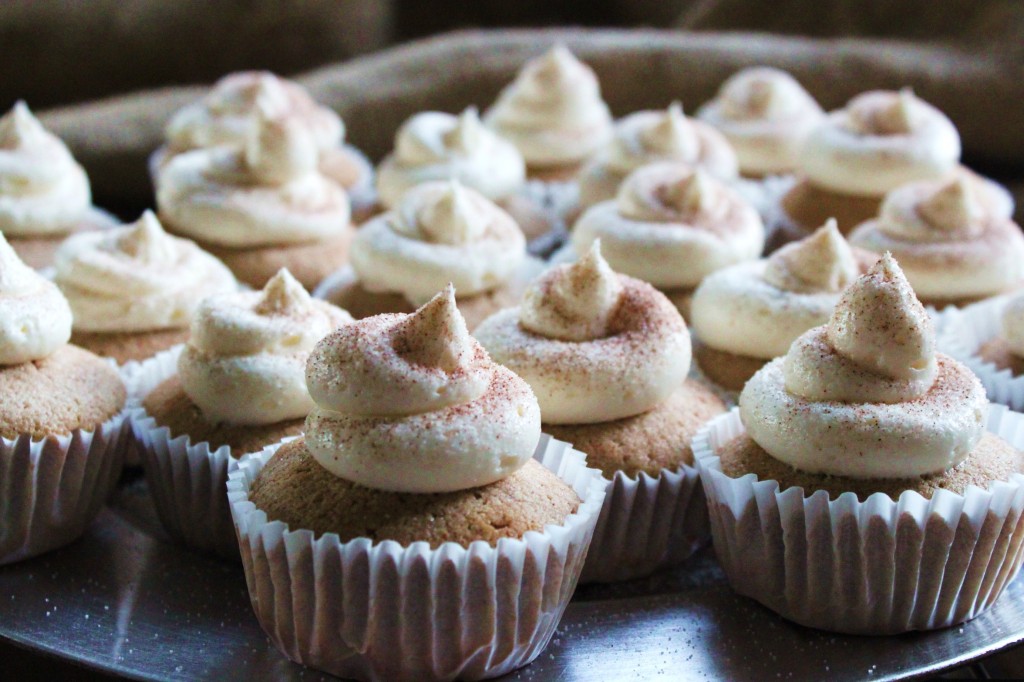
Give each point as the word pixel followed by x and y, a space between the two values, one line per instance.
pixel 126 601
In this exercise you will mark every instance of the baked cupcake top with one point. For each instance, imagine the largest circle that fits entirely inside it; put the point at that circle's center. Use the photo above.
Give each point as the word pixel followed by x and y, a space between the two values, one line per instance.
pixel 584 333
pixel 245 360
pixel 136 278
pixel 866 395
pixel 766 115
pixel 228 114
pixel 269 192
pixel 952 238
pixel 35 319
pixel 441 232
pixel 879 141
pixel 645 137
pixel 437 146
pixel 759 308
pixel 553 112
pixel 412 403
pixel 43 190
pixel 671 225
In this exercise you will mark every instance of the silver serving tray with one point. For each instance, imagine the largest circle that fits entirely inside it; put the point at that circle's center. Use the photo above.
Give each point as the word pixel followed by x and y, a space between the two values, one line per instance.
pixel 126 601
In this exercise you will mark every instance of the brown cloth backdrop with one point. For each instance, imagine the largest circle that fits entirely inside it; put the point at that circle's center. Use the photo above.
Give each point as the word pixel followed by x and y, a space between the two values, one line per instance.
pixel 981 91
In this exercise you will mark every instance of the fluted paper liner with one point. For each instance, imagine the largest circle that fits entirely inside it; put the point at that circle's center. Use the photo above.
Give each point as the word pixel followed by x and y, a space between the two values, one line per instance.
pixel 647 523
pixel 963 334
pixel 874 567
pixel 384 611
pixel 52 488
pixel 187 481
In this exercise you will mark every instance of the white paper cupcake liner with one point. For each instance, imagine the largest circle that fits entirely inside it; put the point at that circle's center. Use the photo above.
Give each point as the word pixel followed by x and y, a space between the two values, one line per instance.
pixel 874 567
pixel 52 488
pixel 647 523
pixel 963 334
pixel 363 194
pixel 384 611
pixel 187 481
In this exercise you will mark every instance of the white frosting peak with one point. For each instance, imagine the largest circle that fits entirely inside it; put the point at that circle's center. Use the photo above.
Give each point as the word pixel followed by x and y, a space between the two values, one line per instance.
pixel 899 116
pixel 146 241
pixel 467 133
pixel 19 128
pixel 692 195
pixel 280 149
pixel 573 302
pixel 453 218
pixel 35 319
pixel 820 262
pixel 953 208
pixel 413 403
pixel 672 135
pixel 246 357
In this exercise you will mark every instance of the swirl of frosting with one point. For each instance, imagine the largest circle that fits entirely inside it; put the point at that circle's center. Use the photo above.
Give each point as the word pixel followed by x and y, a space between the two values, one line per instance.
pixel 227 115
pixel 35 319
pixel 136 278
pixel 584 333
pixel 438 146
pixel 648 136
pixel 1013 324
pixel 245 361
pixel 758 309
pixel 412 403
pixel 867 395
pixel 766 115
pixel 881 140
pixel 269 192
pixel 553 112
pixel 43 191
pixel 671 226
pixel 441 232
pixel 950 238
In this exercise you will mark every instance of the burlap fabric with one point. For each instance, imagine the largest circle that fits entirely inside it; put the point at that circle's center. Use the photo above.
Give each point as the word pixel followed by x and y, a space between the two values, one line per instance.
pixel 980 91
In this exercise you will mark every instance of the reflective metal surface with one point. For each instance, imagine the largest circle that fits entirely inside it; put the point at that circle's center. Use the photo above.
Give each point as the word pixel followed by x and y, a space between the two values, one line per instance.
pixel 126 601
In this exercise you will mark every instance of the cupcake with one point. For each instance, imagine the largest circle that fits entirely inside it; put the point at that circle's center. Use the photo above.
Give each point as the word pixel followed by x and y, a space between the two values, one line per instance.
pixel 61 421
pixel 765 115
pixel 953 242
pixel 237 386
pixel 441 232
pixel 671 226
pixel 410 533
pixel 227 115
pixel 260 208
pixel 858 489
pixel 988 337
pixel 133 289
pixel 44 193
pixel 434 146
pixel 881 140
pixel 749 313
pixel 554 115
pixel 647 137
pixel 607 356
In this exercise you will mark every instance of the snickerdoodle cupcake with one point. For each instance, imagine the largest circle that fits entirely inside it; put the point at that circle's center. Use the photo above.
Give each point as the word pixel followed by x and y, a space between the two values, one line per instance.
pixel 237 386
pixel 227 115
pixel 879 141
pixel 766 115
pixel 647 137
pixel 421 497
pixel 554 115
pixel 133 289
pixel 749 313
pixel 672 226
pixel 260 208
pixel 433 145
pixel 62 425
pixel 440 232
pixel 608 357
pixel 44 193
pixel 857 489
pixel 952 239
